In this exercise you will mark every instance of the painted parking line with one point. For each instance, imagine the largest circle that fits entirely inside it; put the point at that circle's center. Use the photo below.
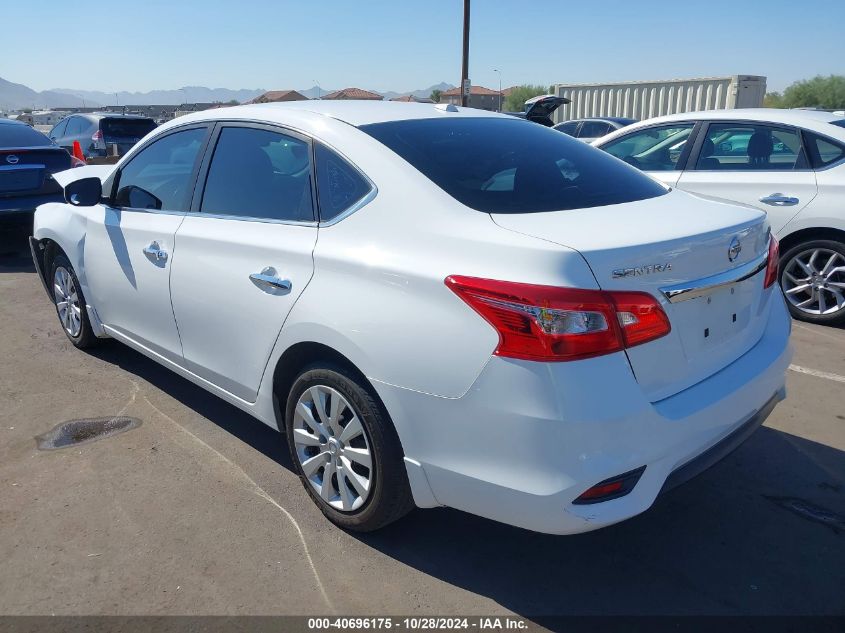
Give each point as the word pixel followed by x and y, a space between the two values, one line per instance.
pixel 818 374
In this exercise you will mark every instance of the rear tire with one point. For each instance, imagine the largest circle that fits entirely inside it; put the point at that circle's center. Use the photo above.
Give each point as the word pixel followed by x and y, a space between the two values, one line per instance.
pixel 345 449
pixel 70 304
pixel 812 276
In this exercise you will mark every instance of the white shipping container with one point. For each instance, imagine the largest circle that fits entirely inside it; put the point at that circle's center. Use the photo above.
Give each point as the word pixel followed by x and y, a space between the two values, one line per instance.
pixel 645 99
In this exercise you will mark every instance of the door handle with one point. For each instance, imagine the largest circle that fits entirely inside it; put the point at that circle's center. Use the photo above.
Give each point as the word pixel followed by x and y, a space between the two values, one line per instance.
pixel 268 279
pixel 779 200
pixel 154 251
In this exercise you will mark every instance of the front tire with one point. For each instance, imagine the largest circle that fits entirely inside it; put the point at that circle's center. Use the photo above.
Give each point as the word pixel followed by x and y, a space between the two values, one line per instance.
pixel 812 276
pixel 345 449
pixel 70 304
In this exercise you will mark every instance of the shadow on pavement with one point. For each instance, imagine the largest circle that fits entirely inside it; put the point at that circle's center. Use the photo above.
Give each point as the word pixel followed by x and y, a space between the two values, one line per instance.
pixel 231 419
pixel 722 544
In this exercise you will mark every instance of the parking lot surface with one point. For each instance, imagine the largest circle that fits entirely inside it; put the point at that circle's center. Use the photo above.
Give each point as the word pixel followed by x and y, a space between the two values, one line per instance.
pixel 198 511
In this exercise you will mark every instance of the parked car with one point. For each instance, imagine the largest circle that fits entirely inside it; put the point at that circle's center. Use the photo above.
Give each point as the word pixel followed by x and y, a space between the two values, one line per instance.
pixel 588 130
pixel 28 160
pixel 788 163
pixel 97 132
pixel 438 306
pixel 540 109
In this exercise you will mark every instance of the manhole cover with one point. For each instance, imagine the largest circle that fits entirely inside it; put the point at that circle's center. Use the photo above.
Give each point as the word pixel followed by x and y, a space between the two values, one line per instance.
pixel 82 431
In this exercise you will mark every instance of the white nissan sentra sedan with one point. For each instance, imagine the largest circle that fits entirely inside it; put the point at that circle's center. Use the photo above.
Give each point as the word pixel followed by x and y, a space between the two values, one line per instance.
pixel 438 306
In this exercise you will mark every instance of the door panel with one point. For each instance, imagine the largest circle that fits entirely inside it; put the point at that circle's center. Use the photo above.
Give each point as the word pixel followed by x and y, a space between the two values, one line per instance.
pixel 229 321
pixel 129 245
pixel 245 253
pixel 752 187
pixel 130 287
pixel 753 163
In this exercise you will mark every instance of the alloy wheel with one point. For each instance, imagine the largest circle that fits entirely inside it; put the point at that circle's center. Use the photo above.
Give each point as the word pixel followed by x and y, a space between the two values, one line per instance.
pixel 814 281
pixel 67 302
pixel 333 448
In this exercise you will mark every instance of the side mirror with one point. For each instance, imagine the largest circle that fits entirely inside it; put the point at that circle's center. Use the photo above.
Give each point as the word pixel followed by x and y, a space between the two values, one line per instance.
pixel 85 192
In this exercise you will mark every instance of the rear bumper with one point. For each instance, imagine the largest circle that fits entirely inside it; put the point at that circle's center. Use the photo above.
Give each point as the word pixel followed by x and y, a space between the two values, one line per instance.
pixel 528 438
pixel 25 205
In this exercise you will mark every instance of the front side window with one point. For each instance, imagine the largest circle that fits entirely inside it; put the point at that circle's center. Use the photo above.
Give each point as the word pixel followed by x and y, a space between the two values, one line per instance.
pixel 160 176
pixel 339 184
pixel 512 166
pixel 750 146
pixel 652 149
pixel 257 173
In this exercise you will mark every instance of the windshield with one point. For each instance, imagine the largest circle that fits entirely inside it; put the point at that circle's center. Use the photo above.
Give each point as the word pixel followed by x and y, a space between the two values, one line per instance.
pixel 511 166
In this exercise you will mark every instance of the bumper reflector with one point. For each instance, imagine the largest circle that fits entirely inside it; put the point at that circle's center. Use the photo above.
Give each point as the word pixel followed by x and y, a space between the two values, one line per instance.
pixel 611 488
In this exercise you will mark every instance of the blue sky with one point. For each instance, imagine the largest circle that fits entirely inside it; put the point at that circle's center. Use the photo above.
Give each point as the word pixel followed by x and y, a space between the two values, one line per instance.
pixel 409 44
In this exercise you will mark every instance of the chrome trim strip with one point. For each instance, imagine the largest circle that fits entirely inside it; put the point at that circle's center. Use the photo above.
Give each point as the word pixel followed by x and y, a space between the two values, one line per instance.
pixel 707 285
pixel 355 207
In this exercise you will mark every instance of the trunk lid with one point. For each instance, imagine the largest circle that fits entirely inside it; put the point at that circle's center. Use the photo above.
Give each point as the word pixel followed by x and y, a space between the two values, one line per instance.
pixel 675 240
pixel 27 171
pixel 540 109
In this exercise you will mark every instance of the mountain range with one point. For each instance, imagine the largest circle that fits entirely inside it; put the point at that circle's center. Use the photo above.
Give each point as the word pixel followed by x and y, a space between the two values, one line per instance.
pixel 17 96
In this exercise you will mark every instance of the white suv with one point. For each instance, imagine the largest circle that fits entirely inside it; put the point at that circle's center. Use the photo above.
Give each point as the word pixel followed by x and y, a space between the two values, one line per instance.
pixel 788 163
pixel 439 306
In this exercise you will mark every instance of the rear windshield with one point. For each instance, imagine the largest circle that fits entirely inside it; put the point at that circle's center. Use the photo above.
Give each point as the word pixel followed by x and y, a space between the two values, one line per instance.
pixel 21 135
pixel 127 128
pixel 511 166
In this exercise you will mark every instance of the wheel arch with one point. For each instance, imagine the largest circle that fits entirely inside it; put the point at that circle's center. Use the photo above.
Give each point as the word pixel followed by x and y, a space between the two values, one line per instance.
pixel 806 235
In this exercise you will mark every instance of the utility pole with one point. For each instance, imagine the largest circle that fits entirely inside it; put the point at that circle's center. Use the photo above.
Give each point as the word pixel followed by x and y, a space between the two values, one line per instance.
pixel 499 72
pixel 465 63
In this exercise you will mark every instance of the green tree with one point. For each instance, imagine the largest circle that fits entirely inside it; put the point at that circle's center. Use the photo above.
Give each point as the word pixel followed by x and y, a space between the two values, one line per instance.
pixel 821 92
pixel 773 100
pixel 515 101
pixel 435 95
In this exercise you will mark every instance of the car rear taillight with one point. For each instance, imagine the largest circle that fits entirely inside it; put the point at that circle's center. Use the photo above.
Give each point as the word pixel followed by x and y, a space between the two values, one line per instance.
pixel 97 136
pixel 547 323
pixel 772 263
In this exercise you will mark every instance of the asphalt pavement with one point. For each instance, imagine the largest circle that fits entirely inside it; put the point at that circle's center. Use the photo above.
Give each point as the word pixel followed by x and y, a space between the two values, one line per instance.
pixel 198 511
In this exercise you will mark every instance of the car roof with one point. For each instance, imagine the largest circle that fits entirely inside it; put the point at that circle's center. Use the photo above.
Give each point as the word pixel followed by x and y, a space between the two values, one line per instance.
pixel 96 116
pixel 353 112
pixel 815 120
pixel 12 121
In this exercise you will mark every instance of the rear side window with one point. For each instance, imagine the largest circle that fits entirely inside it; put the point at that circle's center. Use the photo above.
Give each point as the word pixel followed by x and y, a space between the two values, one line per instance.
pixel 749 146
pixel 257 173
pixel 652 149
pixel 59 130
pixel 593 129
pixel 339 184
pixel 159 176
pixel 134 129
pixel 823 151
pixel 499 165
pixel 76 125
pixel 570 127
pixel 14 135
